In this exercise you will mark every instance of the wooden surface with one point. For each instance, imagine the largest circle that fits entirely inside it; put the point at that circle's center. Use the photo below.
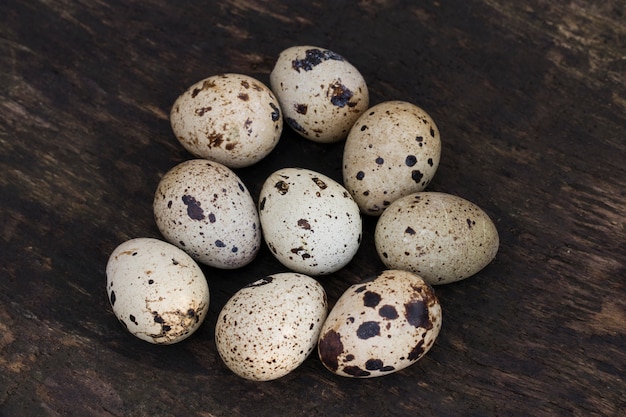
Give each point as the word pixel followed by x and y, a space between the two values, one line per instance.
pixel 530 99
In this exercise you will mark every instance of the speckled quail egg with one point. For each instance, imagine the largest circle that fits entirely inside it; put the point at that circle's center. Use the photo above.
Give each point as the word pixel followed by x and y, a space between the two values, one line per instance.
pixel 204 208
pixel 310 222
pixel 321 94
pixel 156 290
pixel 380 326
pixel 268 328
pixel 441 237
pixel 392 150
pixel 233 119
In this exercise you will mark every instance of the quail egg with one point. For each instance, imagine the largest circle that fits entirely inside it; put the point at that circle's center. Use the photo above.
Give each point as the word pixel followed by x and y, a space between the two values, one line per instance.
pixel 441 237
pixel 156 290
pixel 320 92
pixel 205 209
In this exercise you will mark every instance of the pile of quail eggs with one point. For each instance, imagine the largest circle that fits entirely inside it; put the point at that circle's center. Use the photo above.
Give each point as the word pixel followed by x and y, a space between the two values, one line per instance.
pixel 310 223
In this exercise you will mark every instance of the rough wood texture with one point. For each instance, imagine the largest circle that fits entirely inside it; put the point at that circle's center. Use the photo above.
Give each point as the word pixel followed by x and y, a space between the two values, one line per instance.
pixel 530 98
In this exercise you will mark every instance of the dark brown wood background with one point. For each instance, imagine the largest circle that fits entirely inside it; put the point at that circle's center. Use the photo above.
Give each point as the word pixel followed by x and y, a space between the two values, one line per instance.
pixel 530 98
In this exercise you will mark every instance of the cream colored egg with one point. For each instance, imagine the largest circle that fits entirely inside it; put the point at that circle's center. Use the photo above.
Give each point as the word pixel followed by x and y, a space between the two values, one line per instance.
pixel 156 290
pixel 441 237
pixel 321 94
pixel 233 119
pixel 309 221
pixel 380 326
pixel 392 150
pixel 268 328
pixel 205 209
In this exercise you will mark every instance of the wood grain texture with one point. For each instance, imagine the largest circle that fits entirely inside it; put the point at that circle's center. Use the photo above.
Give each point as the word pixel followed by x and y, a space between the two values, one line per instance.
pixel 530 99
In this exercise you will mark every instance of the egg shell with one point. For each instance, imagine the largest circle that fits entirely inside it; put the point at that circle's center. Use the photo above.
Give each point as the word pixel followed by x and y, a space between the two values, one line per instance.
pixel 268 328
pixel 441 237
pixel 380 326
pixel 392 150
pixel 310 222
pixel 321 94
pixel 156 290
pixel 233 119
pixel 204 208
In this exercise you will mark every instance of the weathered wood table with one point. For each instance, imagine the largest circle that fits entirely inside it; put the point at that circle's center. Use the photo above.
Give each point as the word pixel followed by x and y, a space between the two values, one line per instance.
pixel 530 98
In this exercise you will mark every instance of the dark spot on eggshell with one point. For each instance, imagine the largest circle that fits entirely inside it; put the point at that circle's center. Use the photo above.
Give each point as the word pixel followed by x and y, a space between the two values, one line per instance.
pixel 220 244
pixel 235 249
pixel 377 365
pixel 262 203
pixel 380 161
pixel 133 319
pixel 330 347
pixel 417 351
pixel 409 230
pixel 295 125
pixel 470 223
pixel 174 262
pixel 319 183
pixel 364 127
pixel 411 160
pixel 300 252
pixel 416 313
pixel 368 329
pixel 360 289
pixel 416 175
pixel 432 132
pixel 340 95
pixel 275 112
pixel 169 204
pixel 243 96
pixel 356 371
pixel 304 224
pixel 112 298
pixel 150 281
pixel 282 187
pixel 349 358
pixel 430 161
pixel 202 110
pixel 314 57
pixel 360 175
pixel 215 140
pixel 157 318
pixel 194 211
pixel 388 311
pixel 301 108
pixel 371 299
pixel 205 86
pixel 212 218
